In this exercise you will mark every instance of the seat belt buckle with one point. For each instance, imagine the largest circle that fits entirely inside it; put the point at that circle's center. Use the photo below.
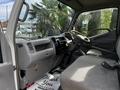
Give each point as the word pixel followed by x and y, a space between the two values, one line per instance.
pixel 110 66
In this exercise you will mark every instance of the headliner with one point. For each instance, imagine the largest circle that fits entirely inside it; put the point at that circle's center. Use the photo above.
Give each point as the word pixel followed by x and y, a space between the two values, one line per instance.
pixel 85 5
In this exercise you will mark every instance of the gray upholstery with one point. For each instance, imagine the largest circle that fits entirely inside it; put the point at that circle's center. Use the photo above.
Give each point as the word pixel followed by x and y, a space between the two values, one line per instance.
pixel 118 47
pixel 86 73
pixel 94 52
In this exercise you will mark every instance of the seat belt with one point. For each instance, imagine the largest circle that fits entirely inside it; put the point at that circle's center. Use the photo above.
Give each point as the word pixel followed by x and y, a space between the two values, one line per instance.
pixel 112 66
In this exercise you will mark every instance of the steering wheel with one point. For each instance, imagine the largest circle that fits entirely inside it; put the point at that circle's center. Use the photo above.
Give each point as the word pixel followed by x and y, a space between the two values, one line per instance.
pixel 77 36
pixel 78 41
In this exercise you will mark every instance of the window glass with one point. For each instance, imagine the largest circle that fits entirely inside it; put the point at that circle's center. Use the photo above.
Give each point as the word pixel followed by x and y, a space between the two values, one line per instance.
pixel 5 10
pixel 46 18
pixel 96 22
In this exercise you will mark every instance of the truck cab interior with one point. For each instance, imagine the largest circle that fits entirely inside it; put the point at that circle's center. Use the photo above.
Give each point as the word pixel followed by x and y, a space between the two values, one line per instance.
pixel 82 60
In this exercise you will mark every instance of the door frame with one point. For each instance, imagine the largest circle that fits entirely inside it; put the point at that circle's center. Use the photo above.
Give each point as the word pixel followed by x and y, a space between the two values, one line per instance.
pixel 10 37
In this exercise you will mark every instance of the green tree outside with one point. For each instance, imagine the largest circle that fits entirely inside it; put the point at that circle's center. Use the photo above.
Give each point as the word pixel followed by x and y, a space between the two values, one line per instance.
pixel 50 19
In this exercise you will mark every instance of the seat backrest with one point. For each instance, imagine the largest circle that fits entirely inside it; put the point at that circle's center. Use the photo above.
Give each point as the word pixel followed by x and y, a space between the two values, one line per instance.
pixel 1 59
pixel 118 47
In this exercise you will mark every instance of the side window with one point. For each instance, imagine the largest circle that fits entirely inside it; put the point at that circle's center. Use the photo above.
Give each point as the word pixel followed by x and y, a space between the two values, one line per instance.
pixel 5 10
pixel 97 22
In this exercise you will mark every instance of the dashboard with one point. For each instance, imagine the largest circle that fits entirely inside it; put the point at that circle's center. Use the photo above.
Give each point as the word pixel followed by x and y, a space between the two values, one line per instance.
pixel 33 51
pixel 30 52
pixel 37 57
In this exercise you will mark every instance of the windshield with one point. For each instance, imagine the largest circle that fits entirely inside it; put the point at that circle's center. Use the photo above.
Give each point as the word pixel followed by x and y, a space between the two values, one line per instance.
pixel 46 18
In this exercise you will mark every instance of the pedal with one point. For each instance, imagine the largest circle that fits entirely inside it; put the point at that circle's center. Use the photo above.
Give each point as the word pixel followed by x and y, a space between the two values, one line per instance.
pixel 111 66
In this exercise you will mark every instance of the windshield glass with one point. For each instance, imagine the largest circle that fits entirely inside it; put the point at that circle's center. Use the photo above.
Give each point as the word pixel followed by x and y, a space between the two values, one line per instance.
pixel 46 18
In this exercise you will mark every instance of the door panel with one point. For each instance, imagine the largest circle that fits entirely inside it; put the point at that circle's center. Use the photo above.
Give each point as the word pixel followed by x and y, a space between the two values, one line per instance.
pixel 105 41
pixel 6 77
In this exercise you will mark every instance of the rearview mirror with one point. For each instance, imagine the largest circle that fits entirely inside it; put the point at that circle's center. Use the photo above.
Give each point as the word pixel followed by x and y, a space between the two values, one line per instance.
pixel 24 12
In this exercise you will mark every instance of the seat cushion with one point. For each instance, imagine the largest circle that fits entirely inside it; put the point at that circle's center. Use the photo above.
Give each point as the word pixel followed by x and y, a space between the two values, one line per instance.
pixel 86 73
pixel 94 52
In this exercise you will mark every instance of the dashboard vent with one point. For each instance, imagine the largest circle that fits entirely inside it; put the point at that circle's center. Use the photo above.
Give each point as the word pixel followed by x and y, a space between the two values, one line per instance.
pixel 42 47
pixel 30 46
pixel 19 45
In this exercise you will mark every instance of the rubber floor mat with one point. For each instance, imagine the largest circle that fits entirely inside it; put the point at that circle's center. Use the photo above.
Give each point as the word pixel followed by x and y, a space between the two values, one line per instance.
pixel 48 82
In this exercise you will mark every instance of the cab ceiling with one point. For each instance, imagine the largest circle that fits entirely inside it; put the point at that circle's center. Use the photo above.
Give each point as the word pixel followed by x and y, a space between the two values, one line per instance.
pixel 85 5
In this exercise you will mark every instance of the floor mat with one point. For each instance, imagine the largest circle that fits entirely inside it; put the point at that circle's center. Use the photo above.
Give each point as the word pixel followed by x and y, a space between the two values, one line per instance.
pixel 48 82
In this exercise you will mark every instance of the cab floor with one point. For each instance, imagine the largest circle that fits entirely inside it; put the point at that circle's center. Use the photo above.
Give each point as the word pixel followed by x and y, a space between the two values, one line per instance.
pixel 48 82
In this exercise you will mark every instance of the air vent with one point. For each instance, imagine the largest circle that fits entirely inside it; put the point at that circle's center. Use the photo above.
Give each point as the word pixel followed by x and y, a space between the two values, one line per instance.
pixel 30 46
pixel 19 45
pixel 42 47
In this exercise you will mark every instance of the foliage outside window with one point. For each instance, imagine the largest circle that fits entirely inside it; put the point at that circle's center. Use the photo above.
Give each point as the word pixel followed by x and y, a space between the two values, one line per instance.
pixel 46 18
pixel 96 22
